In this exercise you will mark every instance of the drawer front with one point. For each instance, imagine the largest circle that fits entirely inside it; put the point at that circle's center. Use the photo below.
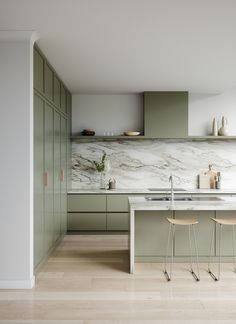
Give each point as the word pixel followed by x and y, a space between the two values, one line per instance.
pixel 86 203
pixel 117 203
pixel 117 221
pixel 86 221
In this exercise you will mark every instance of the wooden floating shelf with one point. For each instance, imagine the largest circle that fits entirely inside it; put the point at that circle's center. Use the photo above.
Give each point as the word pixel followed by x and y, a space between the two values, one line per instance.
pixel 80 137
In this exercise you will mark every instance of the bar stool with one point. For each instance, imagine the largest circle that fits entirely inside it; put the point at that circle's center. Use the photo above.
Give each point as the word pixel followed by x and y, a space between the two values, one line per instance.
pixel 182 222
pixel 221 222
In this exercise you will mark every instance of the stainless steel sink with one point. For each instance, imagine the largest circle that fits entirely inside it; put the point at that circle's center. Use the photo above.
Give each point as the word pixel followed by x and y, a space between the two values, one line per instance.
pixel 165 189
pixel 168 199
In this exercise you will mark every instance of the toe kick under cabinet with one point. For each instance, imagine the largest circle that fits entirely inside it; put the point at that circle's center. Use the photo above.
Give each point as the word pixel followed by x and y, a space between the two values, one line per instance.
pixel 88 212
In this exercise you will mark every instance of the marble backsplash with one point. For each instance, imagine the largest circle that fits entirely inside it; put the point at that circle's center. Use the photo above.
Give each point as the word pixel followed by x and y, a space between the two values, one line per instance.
pixel 148 163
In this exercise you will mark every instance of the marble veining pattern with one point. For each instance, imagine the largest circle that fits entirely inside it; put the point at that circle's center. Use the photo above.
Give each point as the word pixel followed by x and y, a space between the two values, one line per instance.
pixel 148 163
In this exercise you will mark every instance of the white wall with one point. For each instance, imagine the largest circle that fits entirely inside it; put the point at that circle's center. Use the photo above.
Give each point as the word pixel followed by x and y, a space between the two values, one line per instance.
pixel 110 113
pixel 16 171
pixel 203 108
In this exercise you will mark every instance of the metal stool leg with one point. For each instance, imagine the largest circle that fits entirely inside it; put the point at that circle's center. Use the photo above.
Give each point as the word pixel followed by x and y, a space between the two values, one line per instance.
pixel 197 278
pixel 219 259
pixel 171 231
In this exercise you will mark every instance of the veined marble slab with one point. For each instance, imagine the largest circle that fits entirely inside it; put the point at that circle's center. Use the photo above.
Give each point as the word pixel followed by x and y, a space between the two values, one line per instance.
pixel 146 191
pixel 148 163
pixel 222 203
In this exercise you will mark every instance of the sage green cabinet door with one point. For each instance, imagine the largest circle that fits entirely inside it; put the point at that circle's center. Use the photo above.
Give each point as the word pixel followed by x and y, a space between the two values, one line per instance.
pixel 57 176
pixel 117 221
pixel 38 180
pixel 87 221
pixel 63 99
pixel 227 234
pixel 166 114
pixel 48 169
pixel 86 203
pixel 203 233
pixel 63 176
pixel 38 71
pixel 68 103
pixel 117 203
pixel 68 147
pixel 56 91
pixel 48 84
pixel 151 232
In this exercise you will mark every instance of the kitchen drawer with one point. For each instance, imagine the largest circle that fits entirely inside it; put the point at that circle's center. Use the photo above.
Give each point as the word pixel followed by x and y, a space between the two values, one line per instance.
pixel 86 203
pixel 86 222
pixel 117 221
pixel 117 203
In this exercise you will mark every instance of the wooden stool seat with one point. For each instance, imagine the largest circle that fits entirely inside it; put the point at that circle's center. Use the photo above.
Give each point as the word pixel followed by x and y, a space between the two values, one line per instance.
pixel 226 221
pixel 182 221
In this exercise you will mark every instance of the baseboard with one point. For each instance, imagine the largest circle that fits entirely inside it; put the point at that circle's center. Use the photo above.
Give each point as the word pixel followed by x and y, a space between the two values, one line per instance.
pixel 17 284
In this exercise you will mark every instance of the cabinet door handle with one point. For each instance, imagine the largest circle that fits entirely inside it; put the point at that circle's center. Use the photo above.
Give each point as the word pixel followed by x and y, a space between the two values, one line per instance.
pixel 45 179
pixel 62 175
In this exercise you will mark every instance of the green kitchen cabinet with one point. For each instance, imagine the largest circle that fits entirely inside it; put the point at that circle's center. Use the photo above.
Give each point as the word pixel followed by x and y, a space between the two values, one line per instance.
pixel 166 114
pixel 68 103
pixel 227 234
pixel 63 179
pixel 117 221
pixel 151 232
pixel 57 176
pixel 56 91
pixel 117 203
pixel 63 99
pixel 48 83
pixel 203 232
pixel 38 71
pixel 86 203
pixel 86 221
pixel 48 177
pixel 68 146
pixel 38 179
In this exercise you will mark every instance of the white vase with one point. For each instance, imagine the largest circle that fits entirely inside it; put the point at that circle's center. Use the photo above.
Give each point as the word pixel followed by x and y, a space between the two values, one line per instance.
pixel 214 127
pixel 223 131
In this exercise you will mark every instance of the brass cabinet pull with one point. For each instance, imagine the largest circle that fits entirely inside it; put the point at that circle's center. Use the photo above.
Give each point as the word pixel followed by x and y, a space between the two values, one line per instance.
pixel 45 179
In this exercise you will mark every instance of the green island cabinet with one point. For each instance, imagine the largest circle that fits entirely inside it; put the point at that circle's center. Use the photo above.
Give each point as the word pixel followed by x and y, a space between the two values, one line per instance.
pixel 51 147
pixel 166 114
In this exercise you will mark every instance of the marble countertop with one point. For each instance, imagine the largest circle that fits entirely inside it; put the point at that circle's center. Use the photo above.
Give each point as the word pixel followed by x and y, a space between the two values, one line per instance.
pixel 146 191
pixel 217 203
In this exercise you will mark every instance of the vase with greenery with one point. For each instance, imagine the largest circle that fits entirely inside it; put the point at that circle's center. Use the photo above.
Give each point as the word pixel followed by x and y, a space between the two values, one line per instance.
pixel 102 167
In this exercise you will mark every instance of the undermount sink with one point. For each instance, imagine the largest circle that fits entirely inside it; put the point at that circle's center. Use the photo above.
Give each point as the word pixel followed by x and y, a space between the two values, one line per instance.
pixel 183 198
pixel 165 189
pixel 168 198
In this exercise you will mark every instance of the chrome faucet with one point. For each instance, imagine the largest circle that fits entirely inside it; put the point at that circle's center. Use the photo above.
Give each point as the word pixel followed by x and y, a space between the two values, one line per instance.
pixel 172 197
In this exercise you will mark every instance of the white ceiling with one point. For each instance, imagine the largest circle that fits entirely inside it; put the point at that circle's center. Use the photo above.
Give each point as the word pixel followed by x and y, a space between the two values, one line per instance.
pixel 123 46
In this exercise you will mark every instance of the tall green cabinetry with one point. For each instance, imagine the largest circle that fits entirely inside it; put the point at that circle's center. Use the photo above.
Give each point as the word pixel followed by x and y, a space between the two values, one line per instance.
pixel 52 113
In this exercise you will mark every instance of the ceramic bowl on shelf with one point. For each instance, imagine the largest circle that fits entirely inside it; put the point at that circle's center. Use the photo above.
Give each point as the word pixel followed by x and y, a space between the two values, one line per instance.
pixel 131 133
pixel 88 132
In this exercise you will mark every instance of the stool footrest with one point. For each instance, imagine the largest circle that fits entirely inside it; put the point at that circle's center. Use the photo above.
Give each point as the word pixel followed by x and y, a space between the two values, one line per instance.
pixel 194 275
pixel 167 275
pixel 212 275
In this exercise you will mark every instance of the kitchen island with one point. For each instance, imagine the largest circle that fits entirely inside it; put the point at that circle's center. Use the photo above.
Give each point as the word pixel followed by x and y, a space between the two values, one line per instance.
pixel 148 226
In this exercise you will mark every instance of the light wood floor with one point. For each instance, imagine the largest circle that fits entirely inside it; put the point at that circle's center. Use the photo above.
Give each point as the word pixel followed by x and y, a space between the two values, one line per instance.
pixel 86 281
